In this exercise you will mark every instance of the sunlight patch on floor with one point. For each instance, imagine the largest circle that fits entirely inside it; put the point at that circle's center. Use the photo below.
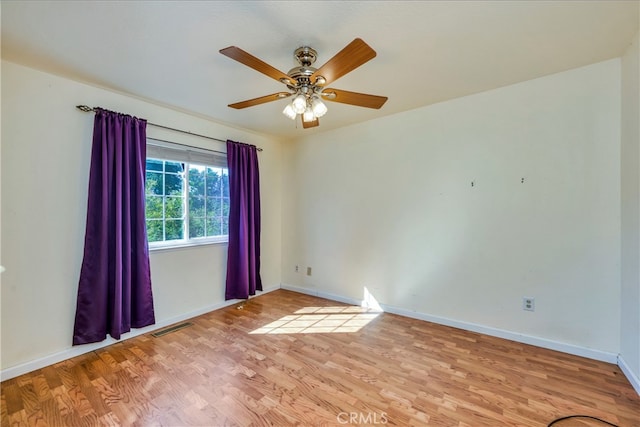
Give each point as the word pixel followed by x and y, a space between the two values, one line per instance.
pixel 315 320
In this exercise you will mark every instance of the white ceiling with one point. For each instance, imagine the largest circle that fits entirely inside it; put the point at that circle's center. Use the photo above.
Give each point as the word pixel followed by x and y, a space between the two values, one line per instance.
pixel 428 51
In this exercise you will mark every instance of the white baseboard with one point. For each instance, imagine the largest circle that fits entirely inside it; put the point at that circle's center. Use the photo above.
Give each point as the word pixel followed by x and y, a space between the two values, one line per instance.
pixel 626 370
pixel 512 336
pixel 320 294
pixel 74 351
pixel 473 327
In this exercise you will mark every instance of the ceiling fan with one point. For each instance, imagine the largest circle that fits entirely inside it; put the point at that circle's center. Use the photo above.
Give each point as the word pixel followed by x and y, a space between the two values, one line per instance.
pixel 307 84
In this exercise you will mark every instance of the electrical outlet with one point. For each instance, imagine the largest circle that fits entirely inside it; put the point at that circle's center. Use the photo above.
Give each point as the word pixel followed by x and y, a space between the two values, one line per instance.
pixel 529 304
pixel 308 271
pixel 296 268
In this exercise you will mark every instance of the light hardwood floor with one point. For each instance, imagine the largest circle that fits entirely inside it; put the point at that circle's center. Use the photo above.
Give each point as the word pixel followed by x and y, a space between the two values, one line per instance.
pixel 292 359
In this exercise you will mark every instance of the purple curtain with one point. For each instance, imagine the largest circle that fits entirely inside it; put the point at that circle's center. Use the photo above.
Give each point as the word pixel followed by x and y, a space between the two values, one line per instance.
pixel 243 262
pixel 114 291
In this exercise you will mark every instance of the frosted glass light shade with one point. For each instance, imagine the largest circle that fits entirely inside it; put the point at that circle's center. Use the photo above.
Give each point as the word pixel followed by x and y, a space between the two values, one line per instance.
pixel 288 111
pixel 308 115
pixel 319 109
pixel 299 104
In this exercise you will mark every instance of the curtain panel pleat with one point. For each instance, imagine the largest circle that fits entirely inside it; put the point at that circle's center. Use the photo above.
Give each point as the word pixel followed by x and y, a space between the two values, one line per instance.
pixel 114 290
pixel 243 261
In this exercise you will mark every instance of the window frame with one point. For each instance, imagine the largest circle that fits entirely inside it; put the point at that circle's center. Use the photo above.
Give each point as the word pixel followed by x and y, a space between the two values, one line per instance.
pixel 161 150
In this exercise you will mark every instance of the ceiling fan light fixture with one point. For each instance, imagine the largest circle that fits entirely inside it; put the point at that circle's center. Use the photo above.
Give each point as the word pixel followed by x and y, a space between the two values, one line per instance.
pixel 299 104
pixel 288 111
pixel 319 109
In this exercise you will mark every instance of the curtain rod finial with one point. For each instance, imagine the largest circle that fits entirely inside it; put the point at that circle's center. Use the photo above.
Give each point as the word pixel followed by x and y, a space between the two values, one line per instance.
pixel 84 108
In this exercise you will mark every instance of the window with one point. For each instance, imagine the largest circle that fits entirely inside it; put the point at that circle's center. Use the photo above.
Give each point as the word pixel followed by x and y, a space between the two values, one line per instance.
pixel 187 195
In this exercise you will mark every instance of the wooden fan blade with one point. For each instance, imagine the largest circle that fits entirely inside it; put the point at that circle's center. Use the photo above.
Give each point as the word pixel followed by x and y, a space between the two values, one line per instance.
pixel 315 122
pixel 353 98
pixel 251 61
pixel 261 100
pixel 348 59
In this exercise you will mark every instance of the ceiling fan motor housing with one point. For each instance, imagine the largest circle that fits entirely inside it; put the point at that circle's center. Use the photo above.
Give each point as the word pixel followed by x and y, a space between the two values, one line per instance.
pixel 301 74
pixel 305 55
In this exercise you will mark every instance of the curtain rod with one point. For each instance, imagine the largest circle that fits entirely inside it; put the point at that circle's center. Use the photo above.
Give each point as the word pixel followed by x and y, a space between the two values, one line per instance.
pixel 88 109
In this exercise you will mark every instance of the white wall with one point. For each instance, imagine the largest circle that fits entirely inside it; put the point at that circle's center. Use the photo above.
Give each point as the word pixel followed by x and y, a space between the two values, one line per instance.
pixel 388 206
pixel 630 180
pixel 46 144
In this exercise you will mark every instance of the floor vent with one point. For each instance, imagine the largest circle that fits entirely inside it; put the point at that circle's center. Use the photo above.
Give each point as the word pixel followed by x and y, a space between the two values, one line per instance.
pixel 171 329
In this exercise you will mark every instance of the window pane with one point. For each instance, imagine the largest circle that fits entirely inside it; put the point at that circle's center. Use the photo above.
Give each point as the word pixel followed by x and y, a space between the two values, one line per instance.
pixel 214 206
pixel 154 230
pixel 174 167
pixel 172 185
pixel 214 227
pixel 154 165
pixel 226 206
pixel 174 229
pixel 225 225
pixel 196 206
pixel 196 227
pixel 174 207
pixel 153 184
pixel 213 181
pixel 225 184
pixel 153 207
pixel 196 180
